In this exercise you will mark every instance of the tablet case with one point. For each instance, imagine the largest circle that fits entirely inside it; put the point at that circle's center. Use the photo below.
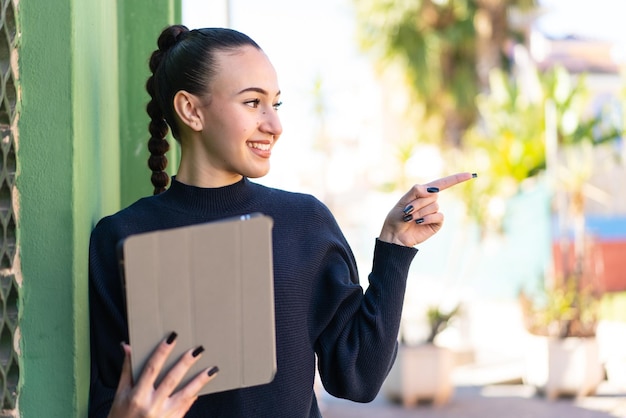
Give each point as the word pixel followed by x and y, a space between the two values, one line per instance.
pixel 213 285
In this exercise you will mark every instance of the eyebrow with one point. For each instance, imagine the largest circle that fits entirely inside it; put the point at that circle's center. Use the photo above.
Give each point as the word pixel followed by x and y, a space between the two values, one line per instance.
pixel 257 90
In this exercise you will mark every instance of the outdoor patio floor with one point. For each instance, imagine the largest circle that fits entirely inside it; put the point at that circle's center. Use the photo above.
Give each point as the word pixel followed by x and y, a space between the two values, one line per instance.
pixel 500 401
pixel 491 386
pixel 488 401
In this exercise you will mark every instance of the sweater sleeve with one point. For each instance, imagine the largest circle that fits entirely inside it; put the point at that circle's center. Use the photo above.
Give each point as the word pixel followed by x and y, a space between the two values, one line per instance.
pixel 107 319
pixel 359 341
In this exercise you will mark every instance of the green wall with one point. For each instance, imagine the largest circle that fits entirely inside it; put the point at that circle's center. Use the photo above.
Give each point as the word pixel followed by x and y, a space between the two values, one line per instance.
pixel 49 359
pixel 82 131
pixel 136 46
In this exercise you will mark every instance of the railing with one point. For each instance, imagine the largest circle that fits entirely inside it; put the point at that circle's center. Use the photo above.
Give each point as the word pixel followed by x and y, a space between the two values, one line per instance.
pixel 9 271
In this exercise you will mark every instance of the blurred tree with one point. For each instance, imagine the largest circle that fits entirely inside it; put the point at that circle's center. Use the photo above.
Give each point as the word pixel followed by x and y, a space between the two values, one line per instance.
pixel 446 49
pixel 529 123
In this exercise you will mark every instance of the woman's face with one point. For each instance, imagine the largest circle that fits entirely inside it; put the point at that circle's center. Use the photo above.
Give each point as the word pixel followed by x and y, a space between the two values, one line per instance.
pixel 241 123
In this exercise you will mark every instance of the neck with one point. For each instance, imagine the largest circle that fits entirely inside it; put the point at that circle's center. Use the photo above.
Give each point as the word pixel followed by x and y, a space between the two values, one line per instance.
pixel 193 175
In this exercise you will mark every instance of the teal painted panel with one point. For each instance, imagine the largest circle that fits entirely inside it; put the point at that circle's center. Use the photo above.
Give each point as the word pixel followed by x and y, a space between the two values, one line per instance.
pixel 44 181
pixel 140 23
pixel 95 162
pixel 70 173
pixel 464 265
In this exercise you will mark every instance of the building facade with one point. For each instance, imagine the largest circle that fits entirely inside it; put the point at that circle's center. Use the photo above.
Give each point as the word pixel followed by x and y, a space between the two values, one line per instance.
pixel 73 150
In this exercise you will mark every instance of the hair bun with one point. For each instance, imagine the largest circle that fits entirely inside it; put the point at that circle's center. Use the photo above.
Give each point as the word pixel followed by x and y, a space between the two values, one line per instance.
pixel 171 35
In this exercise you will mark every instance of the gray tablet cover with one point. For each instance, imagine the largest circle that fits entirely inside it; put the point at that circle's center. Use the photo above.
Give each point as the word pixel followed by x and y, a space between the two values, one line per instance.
pixel 213 285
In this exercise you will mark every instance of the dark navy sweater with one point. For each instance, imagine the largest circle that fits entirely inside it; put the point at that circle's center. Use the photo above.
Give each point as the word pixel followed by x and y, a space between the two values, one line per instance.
pixel 320 307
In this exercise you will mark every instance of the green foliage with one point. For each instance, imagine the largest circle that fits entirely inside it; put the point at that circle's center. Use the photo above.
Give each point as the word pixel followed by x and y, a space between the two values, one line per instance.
pixel 438 45
pixel 613 307
pixel 571 97
pixel 438 321
pixel 512 130
pixel 566 310
pixel 434 42
pixel 508 145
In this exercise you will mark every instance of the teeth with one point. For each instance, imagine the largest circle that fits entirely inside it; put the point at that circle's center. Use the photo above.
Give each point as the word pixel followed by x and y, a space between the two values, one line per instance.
pixel 257 145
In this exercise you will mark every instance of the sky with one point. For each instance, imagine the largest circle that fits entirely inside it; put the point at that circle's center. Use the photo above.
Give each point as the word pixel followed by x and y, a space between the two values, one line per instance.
pixel 596 19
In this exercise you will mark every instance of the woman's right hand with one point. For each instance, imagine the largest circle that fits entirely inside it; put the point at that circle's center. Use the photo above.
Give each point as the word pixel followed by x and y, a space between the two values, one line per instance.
pixel 142 399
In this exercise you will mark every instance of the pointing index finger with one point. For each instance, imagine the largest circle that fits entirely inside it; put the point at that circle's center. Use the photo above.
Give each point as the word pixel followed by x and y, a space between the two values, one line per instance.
pixel 449 181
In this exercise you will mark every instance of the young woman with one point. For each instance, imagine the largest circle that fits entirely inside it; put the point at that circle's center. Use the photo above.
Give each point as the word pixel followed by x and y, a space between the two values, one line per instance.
pixel 218 93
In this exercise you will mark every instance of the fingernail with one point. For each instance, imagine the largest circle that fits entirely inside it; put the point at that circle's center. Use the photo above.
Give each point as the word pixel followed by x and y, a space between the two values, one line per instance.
pixel 474 175
pixel 407 218
pixel 171 338
pixel 197 351
pixel 213 370
pixel 408 209
pixel 419 221
pixel 433 190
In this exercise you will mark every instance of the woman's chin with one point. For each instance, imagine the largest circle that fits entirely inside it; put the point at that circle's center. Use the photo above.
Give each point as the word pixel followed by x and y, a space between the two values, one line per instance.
pixel 258 173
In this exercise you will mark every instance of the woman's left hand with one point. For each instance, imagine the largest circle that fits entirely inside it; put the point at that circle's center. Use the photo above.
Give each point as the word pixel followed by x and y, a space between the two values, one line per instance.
pixel 416 216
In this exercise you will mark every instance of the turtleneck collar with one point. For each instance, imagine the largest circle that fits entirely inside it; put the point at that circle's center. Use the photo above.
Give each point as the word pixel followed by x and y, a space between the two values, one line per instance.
pixel 234 198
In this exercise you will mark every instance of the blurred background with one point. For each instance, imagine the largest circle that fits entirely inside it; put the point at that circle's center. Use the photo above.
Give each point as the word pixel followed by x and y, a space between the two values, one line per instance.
pixel 517 308
pixel 379 95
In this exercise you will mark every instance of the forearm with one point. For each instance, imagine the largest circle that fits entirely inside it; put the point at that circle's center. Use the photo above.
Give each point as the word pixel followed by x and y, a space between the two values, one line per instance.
pixel 357 349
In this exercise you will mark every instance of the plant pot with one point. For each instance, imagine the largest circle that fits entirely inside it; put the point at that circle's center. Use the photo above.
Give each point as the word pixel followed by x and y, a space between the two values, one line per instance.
pixel 563 367
pixel 421 373
pixel 616 372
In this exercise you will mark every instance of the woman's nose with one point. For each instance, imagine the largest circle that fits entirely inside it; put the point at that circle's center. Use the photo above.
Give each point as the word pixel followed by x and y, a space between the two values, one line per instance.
pixel 271 123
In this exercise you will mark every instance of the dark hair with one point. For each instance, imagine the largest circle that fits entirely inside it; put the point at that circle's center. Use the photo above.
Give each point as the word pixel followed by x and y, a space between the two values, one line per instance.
pixel 184 60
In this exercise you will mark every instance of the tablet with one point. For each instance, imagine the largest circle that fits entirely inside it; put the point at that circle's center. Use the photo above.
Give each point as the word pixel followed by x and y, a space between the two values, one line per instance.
pixel 213 285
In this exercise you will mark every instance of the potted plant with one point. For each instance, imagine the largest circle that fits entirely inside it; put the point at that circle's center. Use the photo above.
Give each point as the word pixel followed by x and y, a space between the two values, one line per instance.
pixel 563 355
pixel 422 371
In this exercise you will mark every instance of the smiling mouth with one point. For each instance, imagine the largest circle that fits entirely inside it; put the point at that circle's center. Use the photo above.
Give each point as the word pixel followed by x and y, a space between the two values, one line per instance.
pixel 259 146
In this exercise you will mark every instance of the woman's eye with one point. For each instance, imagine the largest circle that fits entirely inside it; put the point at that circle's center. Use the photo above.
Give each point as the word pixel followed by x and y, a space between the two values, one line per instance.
pixel 277 105
pixel 253 103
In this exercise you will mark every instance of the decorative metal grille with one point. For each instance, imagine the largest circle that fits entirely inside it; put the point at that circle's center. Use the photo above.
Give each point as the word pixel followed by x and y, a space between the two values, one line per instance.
pixel 9 273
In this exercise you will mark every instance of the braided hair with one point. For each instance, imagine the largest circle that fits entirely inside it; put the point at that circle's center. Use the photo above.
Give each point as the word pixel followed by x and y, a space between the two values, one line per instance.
pixel 184 60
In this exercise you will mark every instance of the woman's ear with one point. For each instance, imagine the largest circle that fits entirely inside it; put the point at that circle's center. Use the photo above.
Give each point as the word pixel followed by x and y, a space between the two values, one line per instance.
pixel 186 108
